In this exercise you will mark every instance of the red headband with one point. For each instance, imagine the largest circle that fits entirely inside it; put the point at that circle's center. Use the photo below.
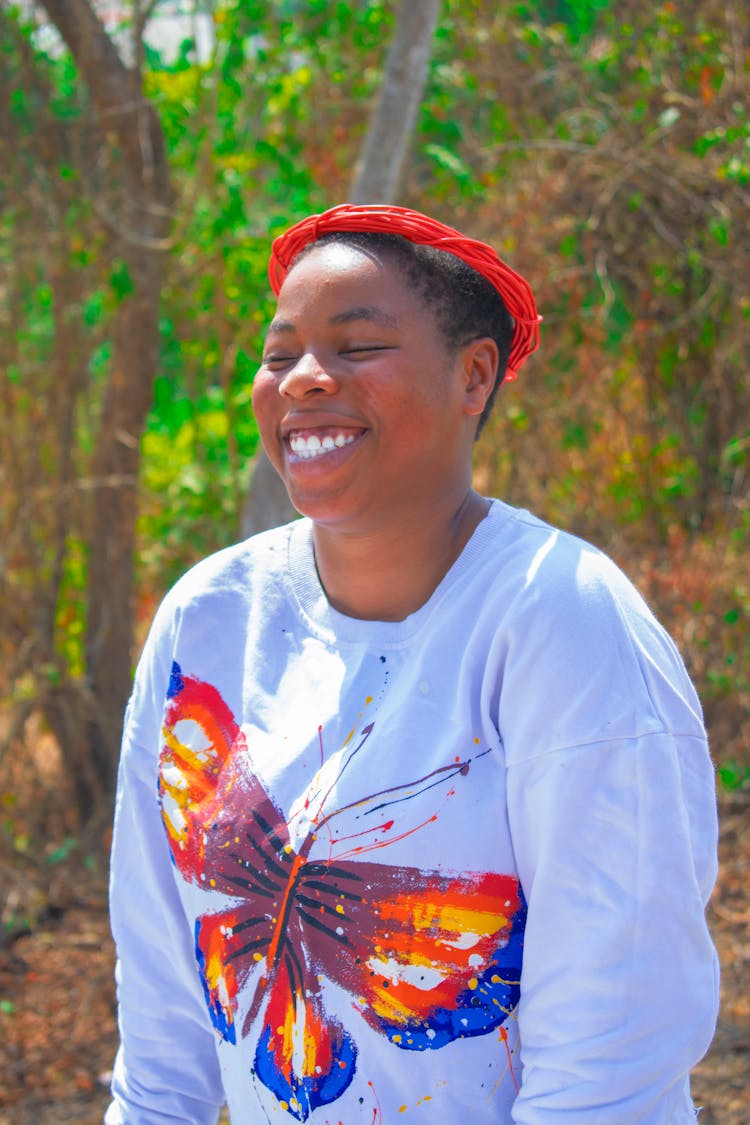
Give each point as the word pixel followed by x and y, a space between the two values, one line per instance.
pixel 514 289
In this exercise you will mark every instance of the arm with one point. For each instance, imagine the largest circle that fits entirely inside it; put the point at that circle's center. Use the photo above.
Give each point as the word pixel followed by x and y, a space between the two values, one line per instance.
pixel 166 1068
pixel 612 814
pixel 619 984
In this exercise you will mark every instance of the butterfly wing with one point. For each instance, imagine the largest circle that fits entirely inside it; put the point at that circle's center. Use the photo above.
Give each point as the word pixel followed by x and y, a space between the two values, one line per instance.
pixel 224 831
pixel 225 835
pixel 428 957
pixel 199 736
pixel 304 1056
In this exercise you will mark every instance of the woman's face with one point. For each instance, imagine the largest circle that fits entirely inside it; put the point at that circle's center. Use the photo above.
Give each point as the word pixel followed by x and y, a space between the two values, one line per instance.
pixel 362 410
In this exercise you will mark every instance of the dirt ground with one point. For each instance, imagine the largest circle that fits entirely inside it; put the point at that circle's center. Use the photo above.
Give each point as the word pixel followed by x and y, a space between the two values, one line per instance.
pixel 57 1016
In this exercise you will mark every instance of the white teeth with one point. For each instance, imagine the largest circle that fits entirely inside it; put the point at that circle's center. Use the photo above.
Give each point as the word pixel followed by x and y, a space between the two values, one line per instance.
pixel 312 446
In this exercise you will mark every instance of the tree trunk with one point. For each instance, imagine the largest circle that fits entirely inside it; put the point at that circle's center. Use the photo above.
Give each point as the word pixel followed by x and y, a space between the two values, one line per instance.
pixel 111 535
pixel 134 144
pixel 395 115
pixel 268 504
pixel 376 180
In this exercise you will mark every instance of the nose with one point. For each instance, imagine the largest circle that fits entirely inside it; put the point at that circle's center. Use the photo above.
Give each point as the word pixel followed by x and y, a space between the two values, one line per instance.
pixel 307 376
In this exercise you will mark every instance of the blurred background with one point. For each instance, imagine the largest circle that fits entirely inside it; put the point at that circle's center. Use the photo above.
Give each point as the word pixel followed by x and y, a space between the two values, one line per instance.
pixel 149 152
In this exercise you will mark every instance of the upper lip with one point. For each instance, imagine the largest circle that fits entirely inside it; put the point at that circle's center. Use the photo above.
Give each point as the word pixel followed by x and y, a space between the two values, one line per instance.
pixel 317 420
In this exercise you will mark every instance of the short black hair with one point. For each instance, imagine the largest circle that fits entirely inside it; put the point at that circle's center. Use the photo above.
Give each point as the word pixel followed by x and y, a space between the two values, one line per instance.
pixel 464 303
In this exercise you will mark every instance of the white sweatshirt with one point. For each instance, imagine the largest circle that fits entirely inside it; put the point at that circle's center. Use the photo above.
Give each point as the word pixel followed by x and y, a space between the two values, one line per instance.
pixel 443 870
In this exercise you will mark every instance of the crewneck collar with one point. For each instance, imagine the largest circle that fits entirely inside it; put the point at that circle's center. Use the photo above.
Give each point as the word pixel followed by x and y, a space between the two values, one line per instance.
pixel 333 626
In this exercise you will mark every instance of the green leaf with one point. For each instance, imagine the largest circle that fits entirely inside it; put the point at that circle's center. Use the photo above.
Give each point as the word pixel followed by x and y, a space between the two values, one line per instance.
pixel 120 280
pixel 62 851
pixel 569 246
pixel 448 160
pixel 93 308
pixel 17 103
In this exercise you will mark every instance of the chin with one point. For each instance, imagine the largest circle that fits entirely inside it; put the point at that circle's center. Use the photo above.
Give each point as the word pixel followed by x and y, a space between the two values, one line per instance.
pixel 320 509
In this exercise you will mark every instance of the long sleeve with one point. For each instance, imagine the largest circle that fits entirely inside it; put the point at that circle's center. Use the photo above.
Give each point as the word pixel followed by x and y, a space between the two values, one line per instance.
pixel 166 1069
pixel 619 982
pixel 614 833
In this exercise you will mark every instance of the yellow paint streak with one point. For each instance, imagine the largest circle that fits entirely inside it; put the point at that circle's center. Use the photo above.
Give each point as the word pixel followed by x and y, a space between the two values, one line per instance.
pixel 387 1005
pixel 286 1032
pixel 177 834
pixel 214 970
pixel 185 754
pixel 310 1048
pixel 455 919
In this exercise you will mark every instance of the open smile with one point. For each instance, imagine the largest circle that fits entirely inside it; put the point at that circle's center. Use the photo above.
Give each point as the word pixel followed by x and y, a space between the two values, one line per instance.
pixel 321 441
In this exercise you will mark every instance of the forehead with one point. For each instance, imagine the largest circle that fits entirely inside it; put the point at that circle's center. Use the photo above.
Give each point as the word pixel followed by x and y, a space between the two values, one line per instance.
pixel 330 278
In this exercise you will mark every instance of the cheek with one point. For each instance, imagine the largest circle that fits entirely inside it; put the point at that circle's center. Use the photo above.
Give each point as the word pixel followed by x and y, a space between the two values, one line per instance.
pixel 264 398
pixel 266 402
pixel 408 392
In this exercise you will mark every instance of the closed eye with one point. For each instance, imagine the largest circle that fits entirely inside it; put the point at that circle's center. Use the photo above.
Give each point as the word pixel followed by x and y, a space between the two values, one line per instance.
pixel 366 349
pixel 278 359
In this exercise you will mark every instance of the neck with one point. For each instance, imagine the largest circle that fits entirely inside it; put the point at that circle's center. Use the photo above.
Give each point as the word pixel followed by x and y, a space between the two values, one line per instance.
pixel 389 574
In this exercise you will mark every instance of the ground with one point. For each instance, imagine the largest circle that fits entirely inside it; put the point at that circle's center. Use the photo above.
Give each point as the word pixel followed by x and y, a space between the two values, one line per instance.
pixel 57 1016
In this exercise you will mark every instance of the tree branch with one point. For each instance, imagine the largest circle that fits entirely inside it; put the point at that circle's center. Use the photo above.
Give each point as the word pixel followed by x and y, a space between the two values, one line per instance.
pixel 109 81
pixel 114 90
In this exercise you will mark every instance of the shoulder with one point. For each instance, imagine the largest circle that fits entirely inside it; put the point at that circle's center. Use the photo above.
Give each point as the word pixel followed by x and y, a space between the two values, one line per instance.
pixel 542 572
pixel 582 649
pixel 260 557
pixel 216 600
pixel 551 574
pixel 226 585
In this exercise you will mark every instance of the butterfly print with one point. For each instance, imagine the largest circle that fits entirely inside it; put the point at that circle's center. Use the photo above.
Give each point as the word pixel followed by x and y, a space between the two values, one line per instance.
pixel 427 957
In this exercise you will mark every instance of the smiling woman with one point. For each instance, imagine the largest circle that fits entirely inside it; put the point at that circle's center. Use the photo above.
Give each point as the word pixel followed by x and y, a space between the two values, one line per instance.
pixel 415 811
pixel 370 419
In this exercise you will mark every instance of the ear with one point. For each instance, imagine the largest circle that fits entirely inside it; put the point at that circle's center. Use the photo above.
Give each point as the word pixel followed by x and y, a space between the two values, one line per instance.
pixel 480 361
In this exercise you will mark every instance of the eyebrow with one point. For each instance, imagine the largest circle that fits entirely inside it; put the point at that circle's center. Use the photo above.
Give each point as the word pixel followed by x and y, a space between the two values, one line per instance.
pixel 371 313
pixel 366 312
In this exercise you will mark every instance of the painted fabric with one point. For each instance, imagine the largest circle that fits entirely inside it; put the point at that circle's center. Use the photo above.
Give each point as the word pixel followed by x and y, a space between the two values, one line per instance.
pixel 451 868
